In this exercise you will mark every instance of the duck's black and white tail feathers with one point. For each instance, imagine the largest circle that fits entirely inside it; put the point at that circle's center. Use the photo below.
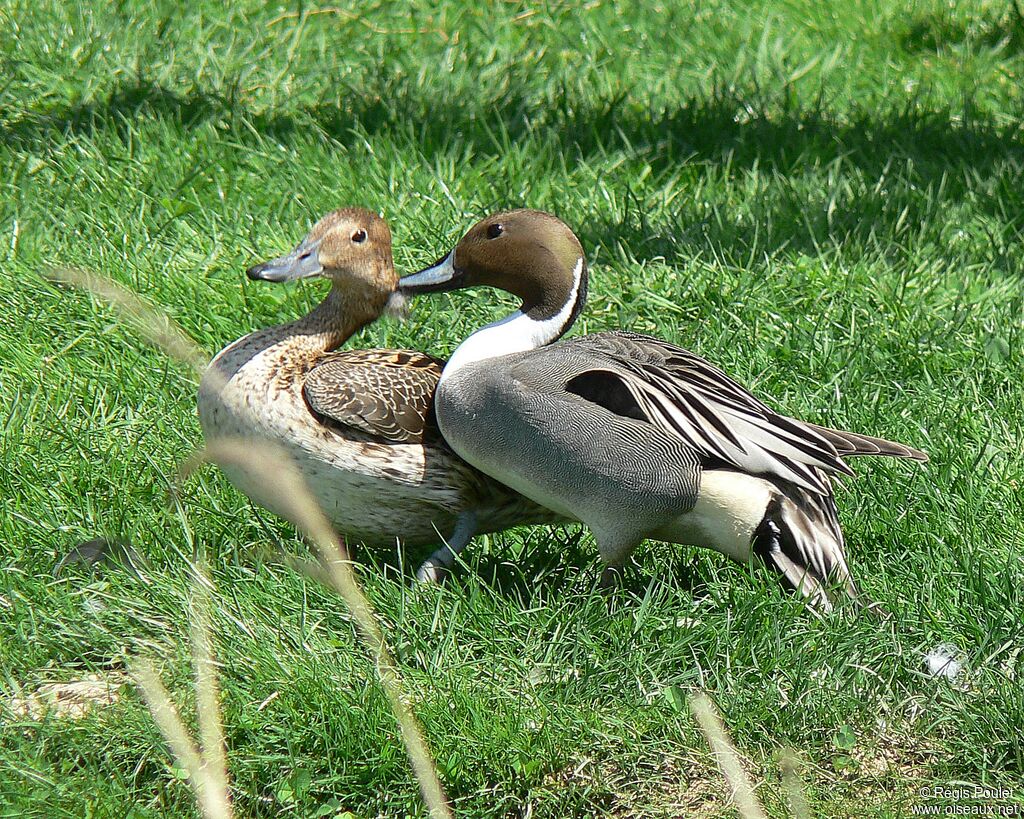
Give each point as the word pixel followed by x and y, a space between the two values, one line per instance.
pixel 800 538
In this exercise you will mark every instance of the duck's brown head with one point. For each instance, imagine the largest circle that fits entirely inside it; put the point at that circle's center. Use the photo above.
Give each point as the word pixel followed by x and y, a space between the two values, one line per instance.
pixel 530 253
pixel 351 247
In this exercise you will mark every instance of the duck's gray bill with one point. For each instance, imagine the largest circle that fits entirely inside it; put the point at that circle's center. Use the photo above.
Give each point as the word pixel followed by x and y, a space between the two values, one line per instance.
pixel 301 263
pixel 439 277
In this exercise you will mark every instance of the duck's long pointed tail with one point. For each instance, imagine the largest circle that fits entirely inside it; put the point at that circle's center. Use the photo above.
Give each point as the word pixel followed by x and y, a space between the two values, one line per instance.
pixel 852 444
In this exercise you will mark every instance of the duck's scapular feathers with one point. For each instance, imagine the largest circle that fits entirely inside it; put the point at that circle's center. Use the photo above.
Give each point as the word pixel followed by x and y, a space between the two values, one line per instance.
pixel 359 423
pixel 630 434
pixel 386 393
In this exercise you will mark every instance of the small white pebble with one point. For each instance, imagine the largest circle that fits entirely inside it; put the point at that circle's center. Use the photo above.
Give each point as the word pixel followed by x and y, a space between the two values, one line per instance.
pixel 942 662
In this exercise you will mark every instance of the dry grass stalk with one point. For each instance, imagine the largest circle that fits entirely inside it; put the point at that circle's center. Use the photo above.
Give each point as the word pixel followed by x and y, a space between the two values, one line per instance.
pixel 727 756
pixel 211 732
pixel 793 785
pixel 156 326
pixel 269 466
pixel 206 765
pixel 209 784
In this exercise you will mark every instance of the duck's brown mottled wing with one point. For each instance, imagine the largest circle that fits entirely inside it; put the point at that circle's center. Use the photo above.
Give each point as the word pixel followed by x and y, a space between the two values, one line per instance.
pixel 386 393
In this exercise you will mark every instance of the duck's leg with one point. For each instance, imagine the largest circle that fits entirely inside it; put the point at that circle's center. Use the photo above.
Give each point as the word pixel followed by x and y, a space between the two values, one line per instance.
pixel 615 552
pixel 436 566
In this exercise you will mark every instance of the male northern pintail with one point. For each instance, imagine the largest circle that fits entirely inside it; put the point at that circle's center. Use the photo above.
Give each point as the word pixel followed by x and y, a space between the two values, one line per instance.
pixel 629 434
pixel 359 423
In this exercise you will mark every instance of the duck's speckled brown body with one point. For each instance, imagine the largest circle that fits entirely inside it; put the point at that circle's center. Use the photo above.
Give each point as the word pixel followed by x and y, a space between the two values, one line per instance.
pixel 358 423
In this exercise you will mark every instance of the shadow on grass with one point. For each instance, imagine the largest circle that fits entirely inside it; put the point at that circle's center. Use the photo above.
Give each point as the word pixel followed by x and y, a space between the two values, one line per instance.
pixel 730 127
pixel 546 559
pixel 991 28
pixel 908 161
pixel 546 562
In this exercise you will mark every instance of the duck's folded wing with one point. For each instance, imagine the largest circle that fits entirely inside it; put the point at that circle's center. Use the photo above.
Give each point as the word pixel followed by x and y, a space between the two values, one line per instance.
pixel 386 393
pixel 647 350
pixel 686 396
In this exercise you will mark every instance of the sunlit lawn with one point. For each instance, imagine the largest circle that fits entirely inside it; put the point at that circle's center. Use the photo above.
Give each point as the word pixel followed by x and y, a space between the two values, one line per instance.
pixel 824 199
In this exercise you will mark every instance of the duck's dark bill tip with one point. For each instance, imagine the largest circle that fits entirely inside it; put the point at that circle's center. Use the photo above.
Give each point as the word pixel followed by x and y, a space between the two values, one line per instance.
pixel 265 273
pixel 301 263
pixel 275 271
pixel 437 278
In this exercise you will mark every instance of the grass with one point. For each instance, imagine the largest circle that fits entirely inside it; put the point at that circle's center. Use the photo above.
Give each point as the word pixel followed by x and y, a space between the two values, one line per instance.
pixel 823 199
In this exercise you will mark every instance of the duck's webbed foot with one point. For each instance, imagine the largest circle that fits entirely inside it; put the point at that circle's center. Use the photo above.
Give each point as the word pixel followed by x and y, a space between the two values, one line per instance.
pixel 436 566
pixel 611 577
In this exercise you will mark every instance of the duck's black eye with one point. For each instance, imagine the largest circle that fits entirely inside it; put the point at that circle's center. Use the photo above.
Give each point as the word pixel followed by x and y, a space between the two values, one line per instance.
pixel 359 236
pixel 495 230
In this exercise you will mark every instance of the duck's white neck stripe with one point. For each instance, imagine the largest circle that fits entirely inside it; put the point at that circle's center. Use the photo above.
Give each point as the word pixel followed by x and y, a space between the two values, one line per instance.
pixel 516 333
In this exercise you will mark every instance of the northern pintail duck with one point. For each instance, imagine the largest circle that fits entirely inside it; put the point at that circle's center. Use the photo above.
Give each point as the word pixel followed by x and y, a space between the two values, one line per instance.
pixel 358 422
pixel 633 436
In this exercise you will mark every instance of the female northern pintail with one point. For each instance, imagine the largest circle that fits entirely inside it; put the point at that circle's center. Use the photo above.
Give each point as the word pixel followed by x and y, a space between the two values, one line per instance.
pixel 629 434
pixel 359 422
